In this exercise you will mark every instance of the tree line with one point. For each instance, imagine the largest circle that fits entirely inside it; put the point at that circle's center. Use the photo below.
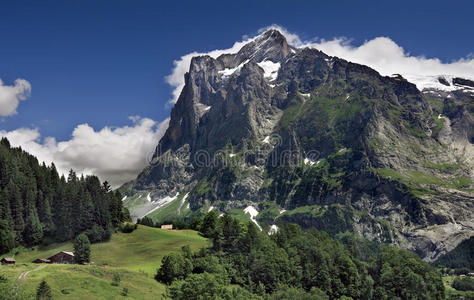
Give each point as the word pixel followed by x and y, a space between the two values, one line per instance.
pixel 292 264
pixel 37 205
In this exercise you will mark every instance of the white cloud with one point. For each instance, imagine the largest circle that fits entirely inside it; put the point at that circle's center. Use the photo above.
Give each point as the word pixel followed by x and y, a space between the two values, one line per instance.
pixel 11 95
pixel 115 154
pixel 387 57
pixel 379 53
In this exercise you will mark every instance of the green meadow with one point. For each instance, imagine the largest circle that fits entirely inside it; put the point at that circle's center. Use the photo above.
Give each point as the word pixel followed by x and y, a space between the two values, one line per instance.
pixel 134 257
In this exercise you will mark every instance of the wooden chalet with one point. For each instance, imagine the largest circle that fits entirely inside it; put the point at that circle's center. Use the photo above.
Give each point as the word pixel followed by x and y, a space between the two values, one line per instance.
pixel 62 257
pixel 7 261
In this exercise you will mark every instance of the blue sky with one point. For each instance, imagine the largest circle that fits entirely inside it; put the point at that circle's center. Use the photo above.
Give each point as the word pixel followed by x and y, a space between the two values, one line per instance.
pixel 99 62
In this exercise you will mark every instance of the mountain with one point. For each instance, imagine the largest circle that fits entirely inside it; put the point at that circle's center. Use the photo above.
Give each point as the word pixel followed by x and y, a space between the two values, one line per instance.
pixel 294 135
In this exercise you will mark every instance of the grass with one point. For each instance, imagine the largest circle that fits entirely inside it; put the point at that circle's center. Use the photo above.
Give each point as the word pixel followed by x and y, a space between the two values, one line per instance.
pixel 86 282
pixel 133 256
pixel 170 211
pixel 416 180
pixel 450 291
pixel 239 214
pixel 447 167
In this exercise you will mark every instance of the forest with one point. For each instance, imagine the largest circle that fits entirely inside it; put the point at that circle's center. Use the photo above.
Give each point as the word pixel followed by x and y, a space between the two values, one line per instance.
pixel 38 206
pixel 293 264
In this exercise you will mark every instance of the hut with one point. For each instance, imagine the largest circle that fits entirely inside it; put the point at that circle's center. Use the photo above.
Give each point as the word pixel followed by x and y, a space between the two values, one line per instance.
pixel 62 257
pixel 167 227
pixel 7 261
pixel 42 261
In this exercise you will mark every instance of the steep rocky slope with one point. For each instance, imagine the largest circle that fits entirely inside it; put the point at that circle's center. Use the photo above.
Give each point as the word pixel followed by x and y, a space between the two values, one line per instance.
pixel 319 141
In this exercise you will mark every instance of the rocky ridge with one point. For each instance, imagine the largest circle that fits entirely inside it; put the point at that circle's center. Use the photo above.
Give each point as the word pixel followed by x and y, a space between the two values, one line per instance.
pixel 335 144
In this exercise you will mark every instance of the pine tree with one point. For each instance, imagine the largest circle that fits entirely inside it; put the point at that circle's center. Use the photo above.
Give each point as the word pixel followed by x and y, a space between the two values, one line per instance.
pixel 43 291
pixel 7 237
pixel 82 249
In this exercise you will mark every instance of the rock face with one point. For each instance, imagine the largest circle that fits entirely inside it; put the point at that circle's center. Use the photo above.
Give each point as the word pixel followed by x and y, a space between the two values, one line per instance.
pixel 335 144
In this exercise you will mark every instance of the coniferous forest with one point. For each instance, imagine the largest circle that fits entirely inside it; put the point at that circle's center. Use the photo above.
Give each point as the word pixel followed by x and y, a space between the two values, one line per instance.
pixel 294 264
pixel 38 206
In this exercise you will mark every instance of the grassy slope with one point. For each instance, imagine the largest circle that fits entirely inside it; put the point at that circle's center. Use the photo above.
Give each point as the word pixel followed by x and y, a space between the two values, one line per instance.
pixel 169 212
pixel 448 280
pixel 135 257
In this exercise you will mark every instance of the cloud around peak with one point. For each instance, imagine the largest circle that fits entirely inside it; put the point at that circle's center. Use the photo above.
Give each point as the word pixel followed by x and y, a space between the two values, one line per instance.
pixel 380 53
pixel 11 95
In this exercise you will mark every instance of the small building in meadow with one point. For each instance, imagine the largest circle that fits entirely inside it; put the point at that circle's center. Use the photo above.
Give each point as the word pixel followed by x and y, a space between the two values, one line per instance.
pixel 7 261
pixel 42 261
pixel 62 257
pixel 167 226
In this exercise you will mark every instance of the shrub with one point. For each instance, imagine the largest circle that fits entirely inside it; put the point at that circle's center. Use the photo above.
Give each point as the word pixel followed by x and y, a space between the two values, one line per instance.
pixel 128 227
pixel 464 284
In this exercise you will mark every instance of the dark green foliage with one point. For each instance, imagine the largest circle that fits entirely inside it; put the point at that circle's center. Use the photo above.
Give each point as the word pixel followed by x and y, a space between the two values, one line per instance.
pixel 463 284
pixel 124 292
pixel 7 237
pixel 285 293
pixel 82 249
pixel 401 274
pixel 116 280
pixel 296 264
pixel 206 286
pixel 128 227
pixel 174 266
pixel 460 257
pixel 43 292
pixel 37 205
pixel 146 221
pixel 209 224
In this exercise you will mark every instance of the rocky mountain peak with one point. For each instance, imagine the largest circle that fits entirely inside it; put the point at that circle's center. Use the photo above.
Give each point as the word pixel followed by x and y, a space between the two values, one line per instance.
pixel 332 142
pixel 269 46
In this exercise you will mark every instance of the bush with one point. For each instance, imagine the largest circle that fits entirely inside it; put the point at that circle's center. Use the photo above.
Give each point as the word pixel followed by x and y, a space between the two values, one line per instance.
pixel 115 280
pixel 128 227
pixel 464 284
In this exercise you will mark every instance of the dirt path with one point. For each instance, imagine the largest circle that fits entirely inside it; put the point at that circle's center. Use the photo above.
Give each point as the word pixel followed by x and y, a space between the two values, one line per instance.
pixel 24 274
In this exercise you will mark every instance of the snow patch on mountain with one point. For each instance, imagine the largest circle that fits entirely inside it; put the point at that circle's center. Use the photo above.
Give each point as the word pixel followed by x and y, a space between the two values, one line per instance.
pixel 270 69
pixel 253 213
pixel 182 203
pixel 273 229
pixel 160 203
pixel 226 73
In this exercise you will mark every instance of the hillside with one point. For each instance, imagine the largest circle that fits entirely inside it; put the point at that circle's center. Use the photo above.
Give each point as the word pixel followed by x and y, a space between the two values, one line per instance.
pixel 303 137
pixel 135 257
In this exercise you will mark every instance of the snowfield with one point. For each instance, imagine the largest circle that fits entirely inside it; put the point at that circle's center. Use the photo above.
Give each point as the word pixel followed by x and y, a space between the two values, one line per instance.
pixel 270 69
pixel 253 213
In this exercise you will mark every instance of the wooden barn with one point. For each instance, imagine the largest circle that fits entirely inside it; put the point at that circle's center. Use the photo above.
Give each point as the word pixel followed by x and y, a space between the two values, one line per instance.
pixel 62 257
pixel 6 261
pixel 42 261
pixel 167 227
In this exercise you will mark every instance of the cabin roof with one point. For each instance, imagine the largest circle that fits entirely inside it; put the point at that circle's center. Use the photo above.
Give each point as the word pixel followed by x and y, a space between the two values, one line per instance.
pixel 8 259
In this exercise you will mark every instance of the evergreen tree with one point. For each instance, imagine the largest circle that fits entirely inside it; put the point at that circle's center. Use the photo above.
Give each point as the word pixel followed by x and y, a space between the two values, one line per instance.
pixel 7 237
pixel 209 224
pixel 33 232
pixel 43 291
pixel 82 249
